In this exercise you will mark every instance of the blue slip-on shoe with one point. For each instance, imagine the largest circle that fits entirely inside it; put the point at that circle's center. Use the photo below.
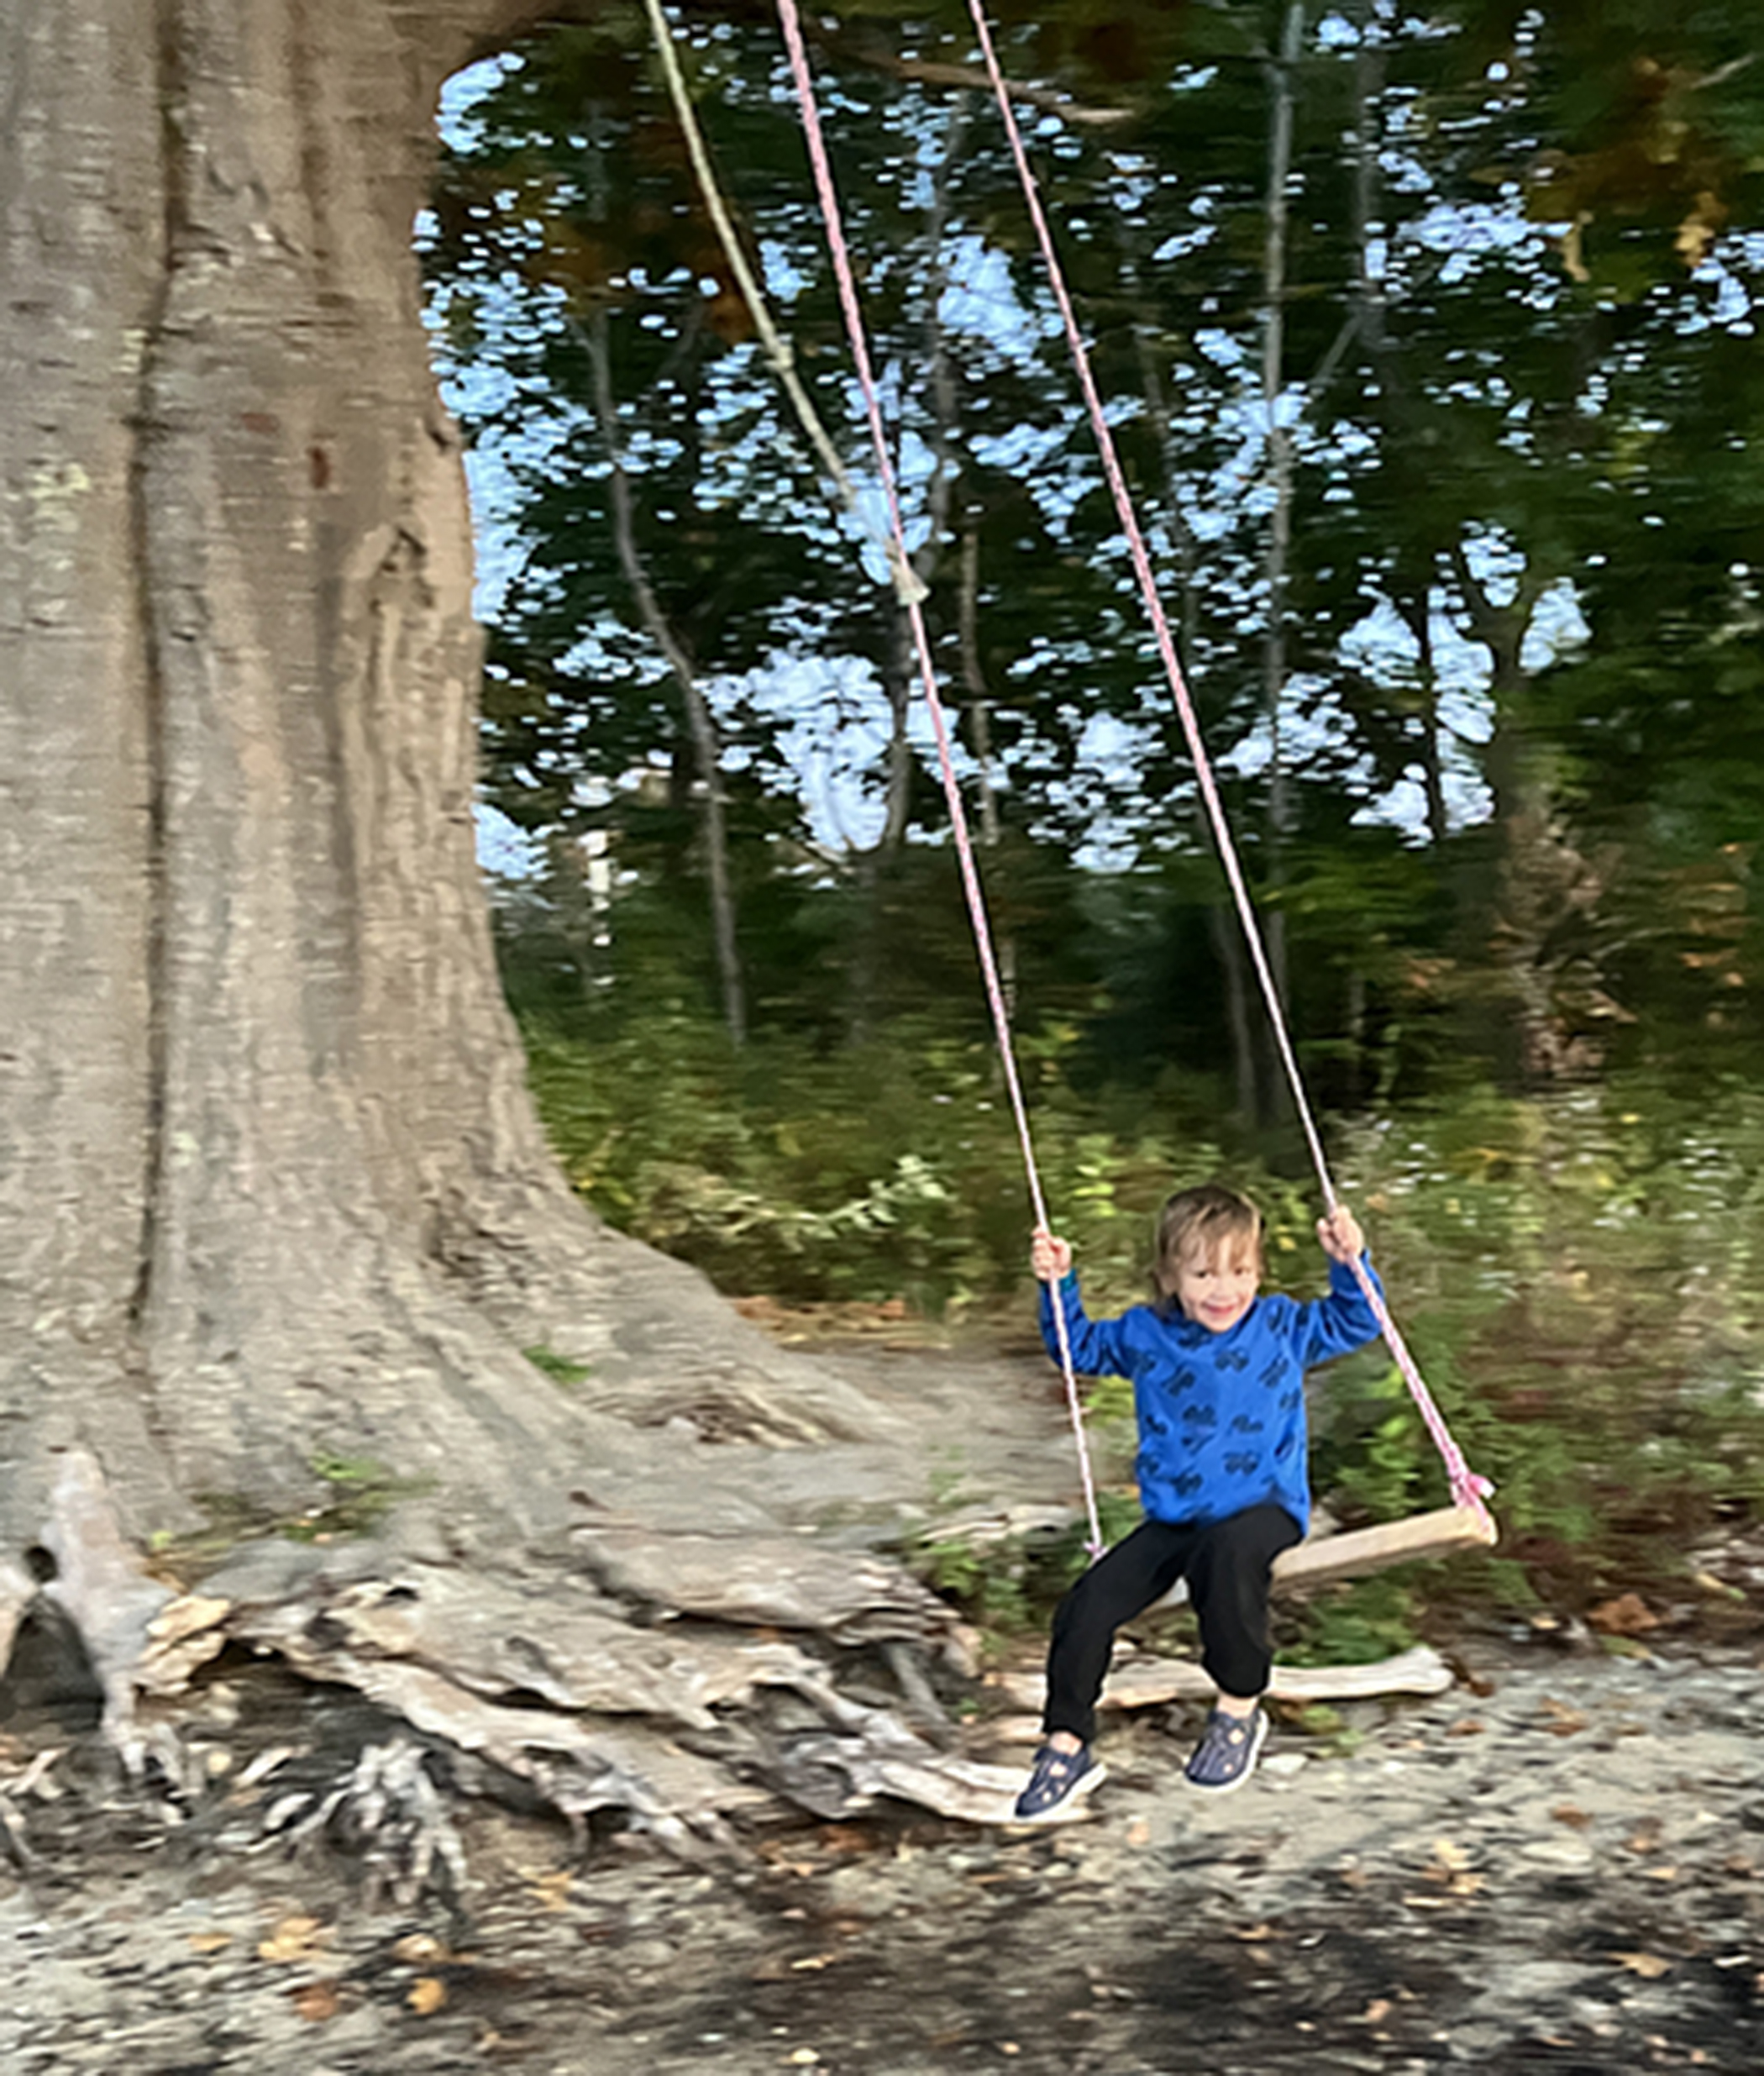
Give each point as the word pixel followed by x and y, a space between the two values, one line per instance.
pixel 1059 1779
pixel 1226 1756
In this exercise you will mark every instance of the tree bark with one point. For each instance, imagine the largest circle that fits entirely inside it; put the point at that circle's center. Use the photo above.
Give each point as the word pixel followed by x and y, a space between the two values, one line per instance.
pixel 1277 552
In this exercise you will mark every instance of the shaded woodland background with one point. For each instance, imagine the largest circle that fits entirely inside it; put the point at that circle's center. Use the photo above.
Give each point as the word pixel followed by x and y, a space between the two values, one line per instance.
pixel 1430 342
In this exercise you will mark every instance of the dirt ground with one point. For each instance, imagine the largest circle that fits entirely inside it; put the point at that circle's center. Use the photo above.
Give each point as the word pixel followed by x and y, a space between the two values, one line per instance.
pixel 1558 1865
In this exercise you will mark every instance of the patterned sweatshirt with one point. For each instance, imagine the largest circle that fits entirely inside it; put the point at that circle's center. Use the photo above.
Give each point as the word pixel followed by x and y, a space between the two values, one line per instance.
pixel 1221 1416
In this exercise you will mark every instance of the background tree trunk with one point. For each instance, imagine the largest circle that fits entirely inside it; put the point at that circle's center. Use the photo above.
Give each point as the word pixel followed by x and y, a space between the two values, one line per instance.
pixel 712 805
pixel 1278 435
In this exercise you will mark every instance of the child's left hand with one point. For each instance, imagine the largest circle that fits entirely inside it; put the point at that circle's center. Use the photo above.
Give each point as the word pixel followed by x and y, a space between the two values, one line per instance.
pixel 1340 1236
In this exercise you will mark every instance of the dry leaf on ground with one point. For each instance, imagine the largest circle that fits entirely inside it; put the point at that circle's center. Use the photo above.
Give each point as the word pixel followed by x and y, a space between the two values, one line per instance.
pixel 295 1938
pixel 317 2001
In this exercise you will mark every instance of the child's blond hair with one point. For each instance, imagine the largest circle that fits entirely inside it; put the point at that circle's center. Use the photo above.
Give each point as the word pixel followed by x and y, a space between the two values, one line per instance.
pixel 1200 1222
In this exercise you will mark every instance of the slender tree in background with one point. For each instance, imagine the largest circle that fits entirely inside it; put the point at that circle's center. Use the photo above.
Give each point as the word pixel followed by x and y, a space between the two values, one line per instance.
pixel 700 721
pixel 1278 433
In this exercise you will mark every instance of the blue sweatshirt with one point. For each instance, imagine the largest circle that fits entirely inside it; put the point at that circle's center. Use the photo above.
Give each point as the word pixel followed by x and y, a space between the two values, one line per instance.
pixel 1221 1416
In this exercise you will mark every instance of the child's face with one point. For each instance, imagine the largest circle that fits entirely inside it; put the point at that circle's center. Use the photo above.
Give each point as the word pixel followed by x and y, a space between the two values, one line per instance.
pixel 1216 1286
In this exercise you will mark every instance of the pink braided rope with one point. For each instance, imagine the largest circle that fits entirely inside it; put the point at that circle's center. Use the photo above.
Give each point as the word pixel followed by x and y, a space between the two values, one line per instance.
pixel 1468 1489
pixel 909 591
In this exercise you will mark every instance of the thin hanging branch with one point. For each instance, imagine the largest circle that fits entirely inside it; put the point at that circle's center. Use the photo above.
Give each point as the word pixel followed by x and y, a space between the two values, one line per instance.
pixel 700 721
pixel 865 45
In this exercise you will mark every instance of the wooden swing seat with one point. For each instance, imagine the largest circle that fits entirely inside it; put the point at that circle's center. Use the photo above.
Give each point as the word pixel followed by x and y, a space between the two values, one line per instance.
pixel 1353 1553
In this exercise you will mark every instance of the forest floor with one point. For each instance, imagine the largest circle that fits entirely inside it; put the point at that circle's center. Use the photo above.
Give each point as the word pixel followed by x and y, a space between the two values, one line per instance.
pixel 1557 1865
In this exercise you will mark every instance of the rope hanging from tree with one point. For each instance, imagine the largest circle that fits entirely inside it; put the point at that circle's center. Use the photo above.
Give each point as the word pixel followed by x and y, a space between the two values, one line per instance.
pixel 934 705
pixel 1469 1490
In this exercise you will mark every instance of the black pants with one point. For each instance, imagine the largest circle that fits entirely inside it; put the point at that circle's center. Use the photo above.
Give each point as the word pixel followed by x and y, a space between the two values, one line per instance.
pixel 1226 1563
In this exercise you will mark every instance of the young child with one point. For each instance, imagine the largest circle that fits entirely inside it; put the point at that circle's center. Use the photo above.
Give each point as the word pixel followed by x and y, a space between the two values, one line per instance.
pixel 1218 1377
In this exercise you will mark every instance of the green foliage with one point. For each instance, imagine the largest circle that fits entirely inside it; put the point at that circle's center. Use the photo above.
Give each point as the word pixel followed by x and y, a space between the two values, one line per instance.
pixel 361 1491
pixel 1317 1719
pixel 1013 1583
pixel 364 1491
pixel 1354 1623
pixel 1578 1276
pixel 883 1170
pixel 1060 1561
pixel 776 1169
pixel 986 1580
pixel 1539 432
pixel 559 1368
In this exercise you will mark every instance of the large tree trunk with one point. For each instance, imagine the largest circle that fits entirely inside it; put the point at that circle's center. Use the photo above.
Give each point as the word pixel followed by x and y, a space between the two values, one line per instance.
pixel 274 1192
pixel 274 1200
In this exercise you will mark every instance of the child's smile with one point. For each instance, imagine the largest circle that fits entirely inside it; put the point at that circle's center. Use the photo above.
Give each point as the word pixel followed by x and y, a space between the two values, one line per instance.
pixel 1215 1293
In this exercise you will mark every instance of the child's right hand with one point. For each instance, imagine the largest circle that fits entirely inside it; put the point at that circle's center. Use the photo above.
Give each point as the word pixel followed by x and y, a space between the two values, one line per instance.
pixel 1049 1256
